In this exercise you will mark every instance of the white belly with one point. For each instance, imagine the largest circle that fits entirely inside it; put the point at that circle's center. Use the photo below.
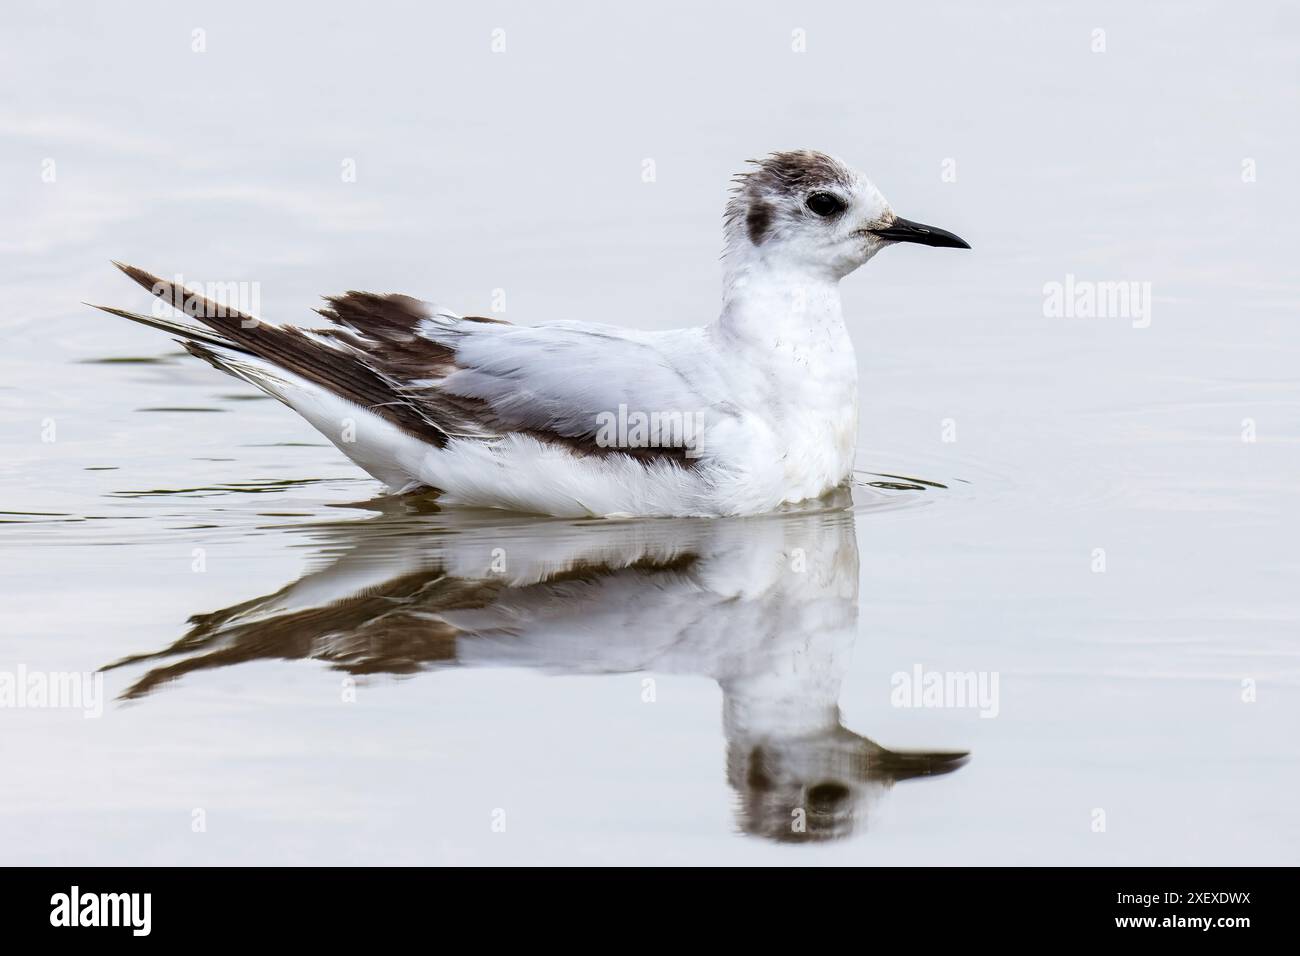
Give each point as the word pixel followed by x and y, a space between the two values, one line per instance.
pixel 821 447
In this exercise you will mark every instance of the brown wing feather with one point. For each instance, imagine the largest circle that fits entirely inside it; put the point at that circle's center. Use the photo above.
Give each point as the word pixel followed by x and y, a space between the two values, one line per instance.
pixel 335 369
pixel 375 357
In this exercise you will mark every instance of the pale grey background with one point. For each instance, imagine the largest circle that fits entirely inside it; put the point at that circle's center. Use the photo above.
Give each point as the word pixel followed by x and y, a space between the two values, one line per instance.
pixel 522 171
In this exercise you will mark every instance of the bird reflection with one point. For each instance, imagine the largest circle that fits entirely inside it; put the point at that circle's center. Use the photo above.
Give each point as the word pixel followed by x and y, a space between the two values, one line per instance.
pixel 766 606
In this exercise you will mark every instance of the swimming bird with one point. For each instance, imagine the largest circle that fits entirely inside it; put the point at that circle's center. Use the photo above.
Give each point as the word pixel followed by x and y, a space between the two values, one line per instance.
pixel 753 411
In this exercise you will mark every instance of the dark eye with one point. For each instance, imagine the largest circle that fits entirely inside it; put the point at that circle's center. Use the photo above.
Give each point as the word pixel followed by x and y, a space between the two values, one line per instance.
pixel 824 204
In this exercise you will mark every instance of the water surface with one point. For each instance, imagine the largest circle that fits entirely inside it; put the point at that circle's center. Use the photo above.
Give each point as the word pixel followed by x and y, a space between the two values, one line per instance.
pixel 1105 520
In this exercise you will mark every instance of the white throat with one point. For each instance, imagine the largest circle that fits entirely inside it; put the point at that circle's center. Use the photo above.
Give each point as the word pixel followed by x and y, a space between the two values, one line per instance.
pixel 783 308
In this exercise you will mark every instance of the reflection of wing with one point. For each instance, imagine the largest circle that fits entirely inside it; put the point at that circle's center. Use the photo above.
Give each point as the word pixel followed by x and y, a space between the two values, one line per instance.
pixel 381 630
pixel 419 618
pixel 399 602
pixel 765 606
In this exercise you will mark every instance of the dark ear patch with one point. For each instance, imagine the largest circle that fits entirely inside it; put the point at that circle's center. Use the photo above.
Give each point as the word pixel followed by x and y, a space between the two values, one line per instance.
pixel 758 221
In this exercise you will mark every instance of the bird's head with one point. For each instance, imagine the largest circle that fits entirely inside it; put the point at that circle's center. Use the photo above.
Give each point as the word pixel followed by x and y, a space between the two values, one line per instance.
pixel 806 211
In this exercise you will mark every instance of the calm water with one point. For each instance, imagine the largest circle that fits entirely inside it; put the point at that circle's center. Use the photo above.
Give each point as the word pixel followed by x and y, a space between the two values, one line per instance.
pixel 1104 526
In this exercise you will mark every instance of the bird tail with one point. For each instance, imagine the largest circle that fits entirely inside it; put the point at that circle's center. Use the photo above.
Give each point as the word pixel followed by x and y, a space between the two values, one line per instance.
pixel 326 386
pixel 187 333
pixel 227 325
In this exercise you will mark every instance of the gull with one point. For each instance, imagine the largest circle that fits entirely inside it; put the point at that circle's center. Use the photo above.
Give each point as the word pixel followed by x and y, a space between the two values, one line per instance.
pixel 754 411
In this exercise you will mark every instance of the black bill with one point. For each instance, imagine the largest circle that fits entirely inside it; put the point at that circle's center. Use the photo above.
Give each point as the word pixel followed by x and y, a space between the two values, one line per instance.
pixel 904 230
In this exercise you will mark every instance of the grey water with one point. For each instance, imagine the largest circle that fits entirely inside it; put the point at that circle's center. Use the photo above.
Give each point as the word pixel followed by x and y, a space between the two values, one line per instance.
pixel 1056 619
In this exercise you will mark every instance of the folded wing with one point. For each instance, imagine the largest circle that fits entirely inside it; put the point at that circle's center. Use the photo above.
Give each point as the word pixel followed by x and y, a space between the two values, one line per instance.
pixel 439 376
